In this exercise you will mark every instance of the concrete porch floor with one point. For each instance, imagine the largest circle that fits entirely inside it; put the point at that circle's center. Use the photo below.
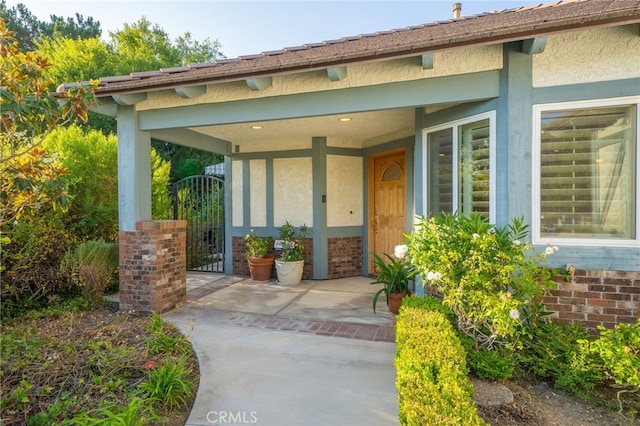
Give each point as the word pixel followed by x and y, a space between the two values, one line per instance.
pixel 314 354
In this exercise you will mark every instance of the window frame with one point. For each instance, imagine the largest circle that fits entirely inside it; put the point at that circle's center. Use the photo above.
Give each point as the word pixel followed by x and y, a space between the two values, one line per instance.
pixel 455 126
pixel 538 110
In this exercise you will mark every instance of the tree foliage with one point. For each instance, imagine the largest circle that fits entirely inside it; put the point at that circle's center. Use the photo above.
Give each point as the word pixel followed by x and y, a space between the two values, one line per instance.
pixel 29 176
pixel 91 159
pixel 29 29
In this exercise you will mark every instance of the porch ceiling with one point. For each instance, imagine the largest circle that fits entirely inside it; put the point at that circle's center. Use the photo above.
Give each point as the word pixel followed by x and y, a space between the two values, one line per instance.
pixel 365 129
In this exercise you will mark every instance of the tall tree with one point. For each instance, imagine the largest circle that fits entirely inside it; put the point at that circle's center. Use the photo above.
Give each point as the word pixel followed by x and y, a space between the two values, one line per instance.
pixel 28 176
pixel 29 29
pixel 73 28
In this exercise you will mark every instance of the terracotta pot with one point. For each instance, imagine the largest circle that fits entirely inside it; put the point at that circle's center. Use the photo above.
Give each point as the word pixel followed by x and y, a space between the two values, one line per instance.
pixel 260 268
pixel 395 299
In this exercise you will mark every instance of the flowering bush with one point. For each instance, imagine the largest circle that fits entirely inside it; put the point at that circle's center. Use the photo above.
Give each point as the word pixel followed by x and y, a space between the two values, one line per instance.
pixel 484 272
pixel 394 274
pixel 257 246
pixel 292 245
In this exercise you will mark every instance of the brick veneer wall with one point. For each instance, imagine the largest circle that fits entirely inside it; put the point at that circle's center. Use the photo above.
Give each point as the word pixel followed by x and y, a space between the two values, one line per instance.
pixel 594 297
pixel 344 257
pixel 153 274
pixel 240 267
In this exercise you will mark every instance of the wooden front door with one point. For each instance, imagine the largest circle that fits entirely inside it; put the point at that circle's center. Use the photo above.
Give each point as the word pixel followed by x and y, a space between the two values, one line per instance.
pixel 387 202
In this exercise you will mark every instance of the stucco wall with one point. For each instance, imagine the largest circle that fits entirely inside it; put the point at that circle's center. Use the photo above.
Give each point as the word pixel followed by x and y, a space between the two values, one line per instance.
pixel 237 216
pixel 293 191
pixel 344 201
pixel 452 62
pixel 258 192
pixel 588 56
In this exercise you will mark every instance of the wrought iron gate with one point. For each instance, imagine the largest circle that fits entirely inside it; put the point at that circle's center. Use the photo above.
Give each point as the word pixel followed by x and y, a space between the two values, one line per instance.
pixel 200 201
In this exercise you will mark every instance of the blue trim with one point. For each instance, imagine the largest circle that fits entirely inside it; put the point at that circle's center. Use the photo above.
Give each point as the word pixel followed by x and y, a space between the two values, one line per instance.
pixel 419 172
pixel 269 183
pixel 513 134
pixel 319 172
pixel 345 231
pixel 586 91
pixel 246 193
pixel 228 212
pixel 134 170
pixel 332 150
pixel 438 90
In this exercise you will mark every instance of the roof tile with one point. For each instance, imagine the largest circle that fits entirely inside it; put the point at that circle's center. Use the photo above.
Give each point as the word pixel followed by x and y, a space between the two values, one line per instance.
pixel 487 28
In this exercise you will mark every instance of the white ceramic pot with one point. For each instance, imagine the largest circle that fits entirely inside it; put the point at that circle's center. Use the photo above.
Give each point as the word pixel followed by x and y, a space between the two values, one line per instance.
pixel 289 273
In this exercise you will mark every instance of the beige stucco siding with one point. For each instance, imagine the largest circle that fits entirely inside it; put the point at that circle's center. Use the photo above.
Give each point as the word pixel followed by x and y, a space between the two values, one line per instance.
pixel 293 191
pixel 258 192
pixel 344 191
pixel 446 63
pixel 237 216
pixel 588 56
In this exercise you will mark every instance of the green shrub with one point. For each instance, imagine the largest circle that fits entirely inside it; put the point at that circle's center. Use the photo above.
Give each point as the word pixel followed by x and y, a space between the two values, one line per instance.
pixel 485 273
pixel 429 303
pixel 165 338
pixel 432 380
pixel 93 265
pixel 619 350
pixel 92 161
pixel 546 353
pixel 168 384
pixel 31 262
pixel 137 413
pixel 496 364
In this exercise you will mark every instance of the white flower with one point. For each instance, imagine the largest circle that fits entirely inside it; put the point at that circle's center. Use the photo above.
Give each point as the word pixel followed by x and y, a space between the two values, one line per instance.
pixel 516 242
pixel 549 250
pixel 437 276
pixel 475 236
pixel 430 276
pixel 47 160
pixel 514 314
pixel 401 251
pixel 555 249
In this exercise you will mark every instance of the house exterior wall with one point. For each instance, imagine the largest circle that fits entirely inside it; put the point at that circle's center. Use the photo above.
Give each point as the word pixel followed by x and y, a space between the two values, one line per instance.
pixel 344 201
pixel 447 63
pixel 258 192
pixel 578 66
pixel 237 191
pixel 588 56
pixel 595 297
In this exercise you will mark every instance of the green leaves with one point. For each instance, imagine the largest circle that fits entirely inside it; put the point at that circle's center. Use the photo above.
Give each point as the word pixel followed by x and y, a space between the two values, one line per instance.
pixel 488 276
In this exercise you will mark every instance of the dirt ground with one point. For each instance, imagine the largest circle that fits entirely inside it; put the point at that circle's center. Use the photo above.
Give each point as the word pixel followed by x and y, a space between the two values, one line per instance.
pixel 541 405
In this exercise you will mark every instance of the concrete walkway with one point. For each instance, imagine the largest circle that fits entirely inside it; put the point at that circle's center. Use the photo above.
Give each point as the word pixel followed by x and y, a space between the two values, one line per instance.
pixel 308 355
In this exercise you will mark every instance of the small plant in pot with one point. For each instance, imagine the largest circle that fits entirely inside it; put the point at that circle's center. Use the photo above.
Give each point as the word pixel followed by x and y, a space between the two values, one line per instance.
pixel 258 256
pixel 394 275
pixel 290 265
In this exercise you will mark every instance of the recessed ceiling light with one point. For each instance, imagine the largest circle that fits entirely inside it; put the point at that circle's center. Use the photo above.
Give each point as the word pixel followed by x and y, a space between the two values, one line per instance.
pixel 344 119
pixel 256 127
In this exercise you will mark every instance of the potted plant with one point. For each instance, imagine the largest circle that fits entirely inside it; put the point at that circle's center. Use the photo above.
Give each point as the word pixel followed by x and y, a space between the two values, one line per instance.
pixel 258 256
pixel 394 275
pixel 290 265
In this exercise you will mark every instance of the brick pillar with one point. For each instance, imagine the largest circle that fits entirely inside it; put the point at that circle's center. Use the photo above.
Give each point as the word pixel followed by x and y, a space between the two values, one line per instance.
pixel 153 272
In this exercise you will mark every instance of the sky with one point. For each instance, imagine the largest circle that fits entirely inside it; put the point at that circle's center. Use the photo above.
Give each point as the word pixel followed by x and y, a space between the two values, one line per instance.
pixel 251 27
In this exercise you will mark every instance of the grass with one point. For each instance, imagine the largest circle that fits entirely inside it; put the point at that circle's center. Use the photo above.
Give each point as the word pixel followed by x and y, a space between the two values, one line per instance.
pixel 72 364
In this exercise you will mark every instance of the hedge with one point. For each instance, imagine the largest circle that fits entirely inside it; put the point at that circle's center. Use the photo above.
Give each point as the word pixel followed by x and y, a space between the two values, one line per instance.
pixel 432 375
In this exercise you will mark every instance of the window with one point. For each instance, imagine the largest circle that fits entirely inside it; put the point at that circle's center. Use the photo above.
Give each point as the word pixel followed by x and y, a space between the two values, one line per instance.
pixel 457 164
pixel 586 171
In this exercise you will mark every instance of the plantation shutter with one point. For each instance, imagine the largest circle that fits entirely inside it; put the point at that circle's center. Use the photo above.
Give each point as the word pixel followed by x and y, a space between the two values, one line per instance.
pixel 587 171
pixel 441 171
pixel 474 167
